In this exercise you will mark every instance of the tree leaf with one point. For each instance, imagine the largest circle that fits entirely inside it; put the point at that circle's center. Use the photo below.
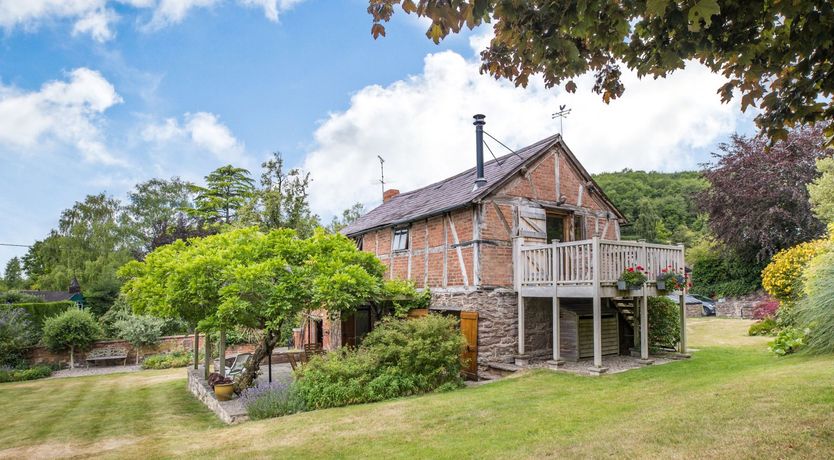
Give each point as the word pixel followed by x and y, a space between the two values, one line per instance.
pixel 704 9
pixel 656 7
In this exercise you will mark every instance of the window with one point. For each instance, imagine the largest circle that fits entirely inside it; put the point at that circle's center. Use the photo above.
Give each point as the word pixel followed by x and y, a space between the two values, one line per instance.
pixel 555 228
pixel 579 228
pixel 400 241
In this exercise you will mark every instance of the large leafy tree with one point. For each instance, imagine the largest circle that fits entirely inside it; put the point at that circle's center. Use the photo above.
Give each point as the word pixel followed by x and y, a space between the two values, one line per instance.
pixel 157 210
pixel 93 239
pixel 758 200
pixel 821 190
pixel 282 201
pixel 13 275
pixel 227 190
pixel 778 55
pixel 348 216
pixel 245 277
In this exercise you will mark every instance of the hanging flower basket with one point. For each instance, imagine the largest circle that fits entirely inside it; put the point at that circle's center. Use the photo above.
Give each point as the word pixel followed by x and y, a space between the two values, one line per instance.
pixel 668 280
pixel 632 278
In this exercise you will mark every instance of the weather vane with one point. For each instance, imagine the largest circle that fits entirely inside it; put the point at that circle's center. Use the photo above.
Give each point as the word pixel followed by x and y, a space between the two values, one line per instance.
pixel 561 115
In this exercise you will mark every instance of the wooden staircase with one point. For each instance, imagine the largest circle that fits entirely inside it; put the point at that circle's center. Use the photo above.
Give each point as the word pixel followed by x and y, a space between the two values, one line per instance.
pixel 628 315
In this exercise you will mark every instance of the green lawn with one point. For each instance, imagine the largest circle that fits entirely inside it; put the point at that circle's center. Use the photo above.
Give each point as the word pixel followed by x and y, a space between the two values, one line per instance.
pixel 731 400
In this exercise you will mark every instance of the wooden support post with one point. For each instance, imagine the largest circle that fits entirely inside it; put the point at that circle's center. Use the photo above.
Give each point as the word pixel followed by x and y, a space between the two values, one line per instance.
pixel 518 269
pixel 597 304
pixel 207 361
pixel 644 327
pixel 683 304
pixel 221 352
pixel 554 275
pixel 196 348
pixel 683 322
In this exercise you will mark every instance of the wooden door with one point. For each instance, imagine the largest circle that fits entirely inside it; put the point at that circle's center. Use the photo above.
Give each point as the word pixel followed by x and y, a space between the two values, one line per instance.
pixel 469 329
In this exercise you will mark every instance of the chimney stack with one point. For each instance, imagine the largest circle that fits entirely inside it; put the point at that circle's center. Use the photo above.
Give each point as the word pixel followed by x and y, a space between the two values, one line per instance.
pixel 479 123
pixel 390 193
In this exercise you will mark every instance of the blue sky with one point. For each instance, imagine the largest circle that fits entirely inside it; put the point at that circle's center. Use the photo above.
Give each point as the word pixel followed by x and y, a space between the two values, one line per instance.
pixel 101 95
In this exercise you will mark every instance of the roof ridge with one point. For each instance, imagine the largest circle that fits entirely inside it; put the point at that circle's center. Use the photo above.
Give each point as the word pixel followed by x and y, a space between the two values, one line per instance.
pixel 467 171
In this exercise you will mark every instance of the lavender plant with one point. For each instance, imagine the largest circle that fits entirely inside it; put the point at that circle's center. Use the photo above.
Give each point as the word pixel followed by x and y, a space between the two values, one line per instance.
pixel 271 400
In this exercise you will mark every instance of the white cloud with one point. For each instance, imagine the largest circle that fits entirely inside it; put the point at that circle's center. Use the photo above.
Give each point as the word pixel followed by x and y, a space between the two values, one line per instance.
pixel 61 112
pixel 97 17
pixel 422 126
pixel 203 131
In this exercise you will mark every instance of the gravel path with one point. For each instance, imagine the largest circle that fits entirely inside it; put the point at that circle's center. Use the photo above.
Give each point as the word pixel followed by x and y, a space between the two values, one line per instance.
pixel 102 370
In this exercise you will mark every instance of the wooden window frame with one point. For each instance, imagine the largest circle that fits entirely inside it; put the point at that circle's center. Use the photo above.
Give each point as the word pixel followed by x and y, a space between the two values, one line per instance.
pixel 566 220
pixel 404 232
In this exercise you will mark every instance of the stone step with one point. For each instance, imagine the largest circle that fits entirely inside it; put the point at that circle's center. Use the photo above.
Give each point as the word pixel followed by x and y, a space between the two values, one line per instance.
pixel 502 369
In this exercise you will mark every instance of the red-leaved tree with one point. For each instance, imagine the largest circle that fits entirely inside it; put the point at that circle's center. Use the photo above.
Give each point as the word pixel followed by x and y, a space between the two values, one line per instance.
pixel 758 199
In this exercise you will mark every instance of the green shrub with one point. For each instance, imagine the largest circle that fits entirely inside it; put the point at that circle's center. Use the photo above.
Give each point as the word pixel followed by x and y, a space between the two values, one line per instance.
pixel 140 331
pixel 18 297
pixel 19 375
pixel 720 272
pixel 398 358
pixel 426 350
pixel 17 333
pixel 272 400
pixel 168 360
pixel 72 330
pixel 664 323
pixel 766 326
pixel 816 311
pixel 40 311
pixel 788 341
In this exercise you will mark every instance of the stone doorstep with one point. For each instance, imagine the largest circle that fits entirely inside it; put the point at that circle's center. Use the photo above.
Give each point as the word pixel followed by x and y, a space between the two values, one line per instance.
pixel 229 412
pixel 645 362
pixel 555 364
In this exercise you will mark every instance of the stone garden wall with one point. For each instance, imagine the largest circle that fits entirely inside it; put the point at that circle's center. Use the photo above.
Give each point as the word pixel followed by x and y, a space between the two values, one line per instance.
pixel 167 344
pixel 739 307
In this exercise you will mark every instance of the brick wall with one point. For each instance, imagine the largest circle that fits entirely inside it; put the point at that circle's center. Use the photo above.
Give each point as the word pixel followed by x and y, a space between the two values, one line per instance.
pixel 481 255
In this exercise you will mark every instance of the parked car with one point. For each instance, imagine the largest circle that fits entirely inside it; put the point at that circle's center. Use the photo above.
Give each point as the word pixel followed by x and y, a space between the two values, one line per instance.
pixel 707 304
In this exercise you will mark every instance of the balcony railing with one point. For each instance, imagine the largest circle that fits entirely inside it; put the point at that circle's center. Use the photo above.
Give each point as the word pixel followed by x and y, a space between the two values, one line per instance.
pixel 591 262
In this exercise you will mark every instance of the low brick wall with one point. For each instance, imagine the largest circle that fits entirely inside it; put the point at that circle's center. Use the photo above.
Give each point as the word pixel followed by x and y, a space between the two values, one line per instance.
pixel 167 344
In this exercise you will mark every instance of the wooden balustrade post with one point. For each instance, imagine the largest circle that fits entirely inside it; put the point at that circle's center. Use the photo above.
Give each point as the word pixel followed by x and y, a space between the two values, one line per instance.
pixel 597 307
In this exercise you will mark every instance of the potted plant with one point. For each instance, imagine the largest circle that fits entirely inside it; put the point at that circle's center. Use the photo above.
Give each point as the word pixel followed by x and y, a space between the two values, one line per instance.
pixel 224 387
pixel 668 280
pixel 632 278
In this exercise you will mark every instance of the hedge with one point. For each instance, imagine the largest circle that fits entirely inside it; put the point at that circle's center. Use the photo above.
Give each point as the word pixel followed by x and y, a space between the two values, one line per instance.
pixel 38 312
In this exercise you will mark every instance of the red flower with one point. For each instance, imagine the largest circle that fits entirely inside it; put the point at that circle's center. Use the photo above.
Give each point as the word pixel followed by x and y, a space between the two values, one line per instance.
pixel 640 268
pixel 630 269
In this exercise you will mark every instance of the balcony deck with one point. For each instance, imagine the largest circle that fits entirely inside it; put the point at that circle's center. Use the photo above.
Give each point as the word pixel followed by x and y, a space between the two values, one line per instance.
pixel 590 268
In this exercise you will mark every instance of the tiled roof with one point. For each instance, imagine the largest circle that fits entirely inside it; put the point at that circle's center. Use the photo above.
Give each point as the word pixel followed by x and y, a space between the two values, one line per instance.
pixel 448 194
pixel 51 296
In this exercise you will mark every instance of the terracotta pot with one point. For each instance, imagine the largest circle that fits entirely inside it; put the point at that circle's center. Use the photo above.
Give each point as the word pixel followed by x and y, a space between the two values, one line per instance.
pixel 224 391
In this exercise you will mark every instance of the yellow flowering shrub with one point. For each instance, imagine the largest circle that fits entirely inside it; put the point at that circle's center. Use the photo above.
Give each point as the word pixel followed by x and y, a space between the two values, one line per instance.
pixel 782 278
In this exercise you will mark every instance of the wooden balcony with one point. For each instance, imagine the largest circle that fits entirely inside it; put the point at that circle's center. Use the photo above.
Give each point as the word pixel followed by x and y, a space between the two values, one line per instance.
pixel 590 268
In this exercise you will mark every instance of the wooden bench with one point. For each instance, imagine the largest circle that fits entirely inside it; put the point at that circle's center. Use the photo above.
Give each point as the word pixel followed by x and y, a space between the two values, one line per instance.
pixel 106 354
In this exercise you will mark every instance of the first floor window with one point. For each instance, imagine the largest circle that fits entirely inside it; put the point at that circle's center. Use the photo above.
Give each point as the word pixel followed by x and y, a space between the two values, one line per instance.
pixel 400 242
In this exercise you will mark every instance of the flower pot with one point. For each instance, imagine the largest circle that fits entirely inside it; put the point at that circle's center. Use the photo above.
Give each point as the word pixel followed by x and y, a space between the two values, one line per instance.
pixel 621 285
pixel 661 285
pixel 224 391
